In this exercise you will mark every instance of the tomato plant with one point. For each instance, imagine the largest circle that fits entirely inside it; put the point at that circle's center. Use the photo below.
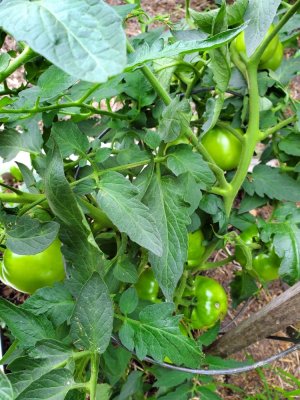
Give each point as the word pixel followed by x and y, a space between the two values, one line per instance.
pixel 147 155
pixel 27 273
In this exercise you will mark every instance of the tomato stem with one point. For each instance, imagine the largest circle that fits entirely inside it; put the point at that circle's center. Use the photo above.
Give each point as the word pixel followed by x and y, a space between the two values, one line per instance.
pixel 95 359
pixel 277 127
pixel 26 55
pixel 251 137
pixel 181 288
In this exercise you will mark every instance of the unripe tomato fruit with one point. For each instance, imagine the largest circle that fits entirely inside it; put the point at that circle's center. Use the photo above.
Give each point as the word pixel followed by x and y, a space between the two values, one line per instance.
pixel 267 266
pixel 147 286
pixel 212 303
pixel 223 147
pixel 274 62
pixel 271 57
pixel 27 273
pixel 249 236
pixel 195 248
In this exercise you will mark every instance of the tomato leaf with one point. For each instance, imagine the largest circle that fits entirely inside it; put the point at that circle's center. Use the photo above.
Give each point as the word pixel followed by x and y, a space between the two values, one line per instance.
pixel 180 393
pixel 260 15
pixel 103 391
pixel 69 139
pixel 12 142
pixel 6 391
pixel 133 385
pixel 290 144
pixel 117 197
pixel 271 182
pixel 204 20
pixel 146 53
pixel 92 319
pixel 125 270
pixel 175 118
pixel 171 213
pixel 286 241
pixel 128 301
pixel 54 385
pixel 212 111
pixel 25 326
pixel 53 351
pixel 116 361
pixel 166 378
pixel 79 246
pixel 29 236
pixel 242 287
pixel 157 334
pixel 55 302
pixel 92 52
pixel 182 159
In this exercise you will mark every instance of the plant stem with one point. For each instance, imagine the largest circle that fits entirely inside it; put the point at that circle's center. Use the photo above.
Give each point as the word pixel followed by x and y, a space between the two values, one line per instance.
pixel 21 198
pixel 88 93
pixel 62 106
pixel 211 265
pixel 251 137
pixel 94 375
pixel 277 127
pixel 256 56
pixel 181 287
pixel 187 132
pixel 25 56
pixel 97 214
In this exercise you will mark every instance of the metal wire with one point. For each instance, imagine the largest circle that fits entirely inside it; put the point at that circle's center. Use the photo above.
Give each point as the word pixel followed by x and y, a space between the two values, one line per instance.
pixel 227 371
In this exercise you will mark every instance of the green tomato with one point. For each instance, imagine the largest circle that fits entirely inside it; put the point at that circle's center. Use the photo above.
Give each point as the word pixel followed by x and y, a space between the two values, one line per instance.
pixel 147 286
pixel 267 266
pixel 274 62
pixel 273 51
pixel 249 237
pixel 212 303
pixel 195 248
pixel 27 273
pixel 223 147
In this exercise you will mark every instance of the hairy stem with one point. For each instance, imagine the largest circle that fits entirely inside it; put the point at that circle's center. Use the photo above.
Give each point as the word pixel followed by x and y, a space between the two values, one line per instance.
pixel 60 106
pixel 94 376
pixel 25 56
pixel 251 137
pixel 277 127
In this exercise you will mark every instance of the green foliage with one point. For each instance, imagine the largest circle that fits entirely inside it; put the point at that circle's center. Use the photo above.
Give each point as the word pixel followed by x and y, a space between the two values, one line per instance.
pixel 116 168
